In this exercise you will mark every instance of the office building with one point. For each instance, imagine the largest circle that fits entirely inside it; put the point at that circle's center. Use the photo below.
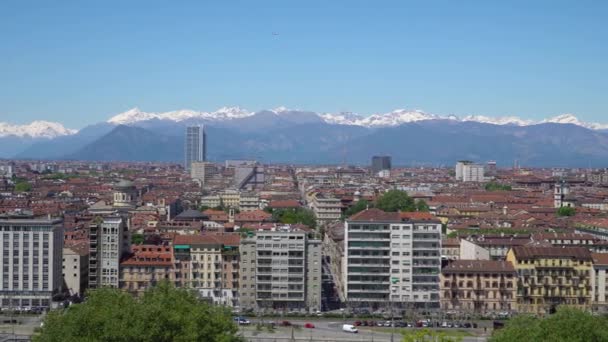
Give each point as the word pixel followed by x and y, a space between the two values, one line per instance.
pixel 392 259
pixel 76 268
pixel 31 251
pixel 280 270
pixel 203 171
pixel 195 146
pixel 381 163
pixel 479 286
pixel 109 241
pixel 552 276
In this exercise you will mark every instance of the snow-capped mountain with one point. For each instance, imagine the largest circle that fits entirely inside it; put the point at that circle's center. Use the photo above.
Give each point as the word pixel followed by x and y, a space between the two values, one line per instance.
pixel 394 118
pixel 36 129
pixel 136 115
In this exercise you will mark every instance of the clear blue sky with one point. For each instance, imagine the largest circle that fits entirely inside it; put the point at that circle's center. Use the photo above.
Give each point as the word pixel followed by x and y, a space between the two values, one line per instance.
pixel 80 62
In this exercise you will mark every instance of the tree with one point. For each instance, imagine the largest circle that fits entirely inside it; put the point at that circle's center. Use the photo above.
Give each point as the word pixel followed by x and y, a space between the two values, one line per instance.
pixel 295 215
pixel 137 239
pixel 493 186
pixel 357 207
pixel 395 200
pixel 566 211
pixel 23 186
pixel 424 335
pixel 163 314
pixel 567 324
pixel 421 206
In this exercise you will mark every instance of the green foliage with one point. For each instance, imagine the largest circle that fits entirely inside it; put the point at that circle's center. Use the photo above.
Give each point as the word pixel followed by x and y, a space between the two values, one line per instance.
pixel 163 314
pixel 566 211
pixel 394 200
pixel 244 232
pixel 137 239
pixel 357 207
pixel 295 215
pixel 23 186
pixel 493 186
pixel 423 335
pixel 203 208
pixel 567 324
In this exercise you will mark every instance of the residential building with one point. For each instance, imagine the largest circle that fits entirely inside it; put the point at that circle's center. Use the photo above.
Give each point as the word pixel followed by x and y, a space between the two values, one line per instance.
pixel 466 171
pixel 281 270
pixel 76 268
pixel 392 259
pixel 479 286
pixel 380 163
pixel 326 209
pixel 552 276
pixel 561 193
pixel 203 171
pixel 109 241
pixel 599 282
pixel 31 250
pixel 472 251
pixel 145 267
pixel 209 264
pixel 195 146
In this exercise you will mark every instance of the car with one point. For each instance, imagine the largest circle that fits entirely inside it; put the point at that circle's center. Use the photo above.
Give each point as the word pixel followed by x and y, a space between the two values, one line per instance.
pixel 380 324
pixel 286 323
pixel 387 323
pixel 357 323
pixel 242 320
pixel 349 328
pixel 309 326
pixel 467 325
pixel 400 324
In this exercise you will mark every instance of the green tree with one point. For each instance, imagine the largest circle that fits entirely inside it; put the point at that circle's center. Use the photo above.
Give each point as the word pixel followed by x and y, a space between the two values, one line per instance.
pixel 357 207
pixel 137 239
pixel 566 211
pixel 424 335
pixel 493 186
pixel 295 215
pixel 163 314
pixel 23 186
pixel 421 206
pixel 394 200
pixel 567 324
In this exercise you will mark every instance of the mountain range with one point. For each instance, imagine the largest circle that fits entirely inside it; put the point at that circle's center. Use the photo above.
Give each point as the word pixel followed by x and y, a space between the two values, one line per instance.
pixel 298 136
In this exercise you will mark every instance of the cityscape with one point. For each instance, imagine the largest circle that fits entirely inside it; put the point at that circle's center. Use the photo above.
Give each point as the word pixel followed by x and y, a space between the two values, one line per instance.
pixel 324 207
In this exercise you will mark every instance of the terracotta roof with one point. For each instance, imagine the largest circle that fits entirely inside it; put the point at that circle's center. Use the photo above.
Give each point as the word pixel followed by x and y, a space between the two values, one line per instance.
pixel 481 266
pixel 375 214
pixel 284 204
pixel 417 216
pixel 450 242
pixel 580 253
pixel 600 258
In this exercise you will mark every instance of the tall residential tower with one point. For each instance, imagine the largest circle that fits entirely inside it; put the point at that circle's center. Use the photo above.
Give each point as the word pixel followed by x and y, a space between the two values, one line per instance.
pixel 195 146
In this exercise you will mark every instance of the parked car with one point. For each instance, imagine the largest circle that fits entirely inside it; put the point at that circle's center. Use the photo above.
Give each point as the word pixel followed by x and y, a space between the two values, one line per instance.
pixel 241 320
pixel 309 326
pixel 387 323
pixel 286 323
pixel 350 328
pixel 357 323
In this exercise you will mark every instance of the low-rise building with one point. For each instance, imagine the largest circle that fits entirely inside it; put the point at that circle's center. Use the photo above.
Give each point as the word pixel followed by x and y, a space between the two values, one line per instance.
pixel 145 267
pixel 479 286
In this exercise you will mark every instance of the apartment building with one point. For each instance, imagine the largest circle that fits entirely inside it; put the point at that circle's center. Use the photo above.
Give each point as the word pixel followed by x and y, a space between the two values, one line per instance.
pixel 76 268
pixel 392 258
pixel 327 209
pixel 145 267
pixel 243 201
pixel 109 241
pixel 466 171
pixel 209 264
pixel 281 270
pixel 480 286
pixel 552 276
pixel 31 250
pixel 599 282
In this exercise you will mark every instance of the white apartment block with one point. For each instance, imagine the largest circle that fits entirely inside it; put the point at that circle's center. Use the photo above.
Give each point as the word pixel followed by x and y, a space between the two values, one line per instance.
pixel 392 260
pixel 243 201
pixel 280 270
pixel 326 209
pixel 31 252
pixel 466 171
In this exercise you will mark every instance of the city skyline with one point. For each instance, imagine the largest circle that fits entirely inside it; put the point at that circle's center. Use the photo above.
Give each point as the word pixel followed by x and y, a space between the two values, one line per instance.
pixel 529 60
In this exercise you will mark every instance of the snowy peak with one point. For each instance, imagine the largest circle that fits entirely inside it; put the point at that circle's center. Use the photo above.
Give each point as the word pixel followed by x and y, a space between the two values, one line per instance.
pixel 36 129
pixel 394 118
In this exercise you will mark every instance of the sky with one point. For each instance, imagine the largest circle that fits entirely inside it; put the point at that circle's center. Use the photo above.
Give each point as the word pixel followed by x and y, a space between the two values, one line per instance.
pixel 81 62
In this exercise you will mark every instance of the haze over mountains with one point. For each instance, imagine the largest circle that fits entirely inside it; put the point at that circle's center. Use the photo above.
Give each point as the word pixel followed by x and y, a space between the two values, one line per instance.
pixel 297 136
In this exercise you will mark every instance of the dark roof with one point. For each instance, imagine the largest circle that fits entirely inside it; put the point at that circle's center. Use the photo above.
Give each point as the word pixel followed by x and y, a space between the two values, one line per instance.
pixel 600 258
pixel 483 266
pixel 580 253
pixel 375 214
pixel 191 214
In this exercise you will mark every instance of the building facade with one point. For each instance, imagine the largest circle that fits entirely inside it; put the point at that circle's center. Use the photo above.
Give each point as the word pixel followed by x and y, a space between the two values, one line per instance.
pixel 480 286
pixel 552 276
pixel 31 261
pixel 281 270
pixel 195 146
pixel 392 260
pixel 109 241
pixel 381 163
pixel 76 268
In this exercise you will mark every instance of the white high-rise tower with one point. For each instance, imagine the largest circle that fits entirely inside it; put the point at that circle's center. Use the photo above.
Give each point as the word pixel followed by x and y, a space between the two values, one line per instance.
pixel 195 146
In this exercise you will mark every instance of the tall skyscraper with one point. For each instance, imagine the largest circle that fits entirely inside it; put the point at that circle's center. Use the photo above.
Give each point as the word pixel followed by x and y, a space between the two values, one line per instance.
pixel 196 146
pixel 381 163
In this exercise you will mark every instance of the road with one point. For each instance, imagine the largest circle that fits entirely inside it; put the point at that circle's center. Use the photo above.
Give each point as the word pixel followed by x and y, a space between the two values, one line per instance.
pixel 326 331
